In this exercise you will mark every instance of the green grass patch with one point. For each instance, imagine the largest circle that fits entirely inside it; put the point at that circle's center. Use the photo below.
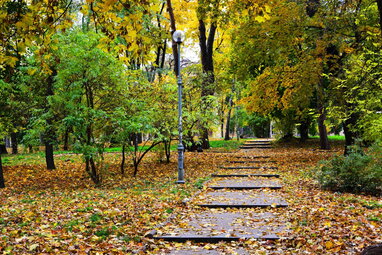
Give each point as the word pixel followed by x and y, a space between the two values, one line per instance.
pixel 229 145
pixel 331 137
pixel 199 183
pixel 95 217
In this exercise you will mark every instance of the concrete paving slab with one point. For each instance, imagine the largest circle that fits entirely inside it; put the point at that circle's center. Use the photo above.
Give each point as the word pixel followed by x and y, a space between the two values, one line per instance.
pixel 236 174
pixel 249 167
pixel 240 199
pixel 244 184
pixel 210 251
pixel 214 225
pixel 251 161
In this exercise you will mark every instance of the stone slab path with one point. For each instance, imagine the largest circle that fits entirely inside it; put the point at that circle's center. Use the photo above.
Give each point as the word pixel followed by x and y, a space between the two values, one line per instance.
pixel 249 188
pixel 249 167
pixel 255 183
pixel 240 199
pixel 219 225
pixel 257 144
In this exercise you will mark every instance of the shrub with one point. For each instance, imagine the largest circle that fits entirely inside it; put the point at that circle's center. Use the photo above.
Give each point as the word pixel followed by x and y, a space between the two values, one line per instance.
pixel 358 172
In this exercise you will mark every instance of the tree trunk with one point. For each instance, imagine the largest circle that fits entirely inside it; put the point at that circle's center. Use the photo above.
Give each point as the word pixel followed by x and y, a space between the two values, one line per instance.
pixel 227 127
pixel 173 29
pixel 91 169
pixel 14 143
pixel 123 160
pixel 206 50
pixel 3 149
pixel 350 135
pixel 222 128
pixel 304 129
pixel 49 158
pixel 324 141
pixel 379 4
pixel 167 149
pixel 66 140
pixel 2 182
pixel 50 134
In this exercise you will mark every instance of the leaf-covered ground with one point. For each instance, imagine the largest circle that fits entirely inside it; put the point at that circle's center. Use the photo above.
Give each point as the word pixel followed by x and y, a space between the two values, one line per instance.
pixel 60 211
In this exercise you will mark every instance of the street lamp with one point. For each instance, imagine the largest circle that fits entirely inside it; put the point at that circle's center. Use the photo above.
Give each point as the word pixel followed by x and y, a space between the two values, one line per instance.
pixel 179 37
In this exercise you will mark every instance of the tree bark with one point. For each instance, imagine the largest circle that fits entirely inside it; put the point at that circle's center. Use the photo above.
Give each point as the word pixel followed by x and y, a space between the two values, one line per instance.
pixel 304 129
pixel 379 4
pixel 50 134
pixel 167 149
pixel 91 169
pixel 227 127
pixel 49 158
pixel 14 143
pixel 350 135
pixel 170 11
pixel 123 160
pixel 206 50
pixel 66 140
pixel 324 141
pixel 2 181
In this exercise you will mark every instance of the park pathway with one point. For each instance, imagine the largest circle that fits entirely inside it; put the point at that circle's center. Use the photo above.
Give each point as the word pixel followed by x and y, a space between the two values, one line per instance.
pixel 238 203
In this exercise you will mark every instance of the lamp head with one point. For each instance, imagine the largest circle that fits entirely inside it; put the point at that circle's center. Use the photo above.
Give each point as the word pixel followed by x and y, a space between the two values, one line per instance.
pixel 178 36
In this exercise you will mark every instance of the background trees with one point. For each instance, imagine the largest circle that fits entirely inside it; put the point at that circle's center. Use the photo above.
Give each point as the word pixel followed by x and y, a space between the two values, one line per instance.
pixel 99 73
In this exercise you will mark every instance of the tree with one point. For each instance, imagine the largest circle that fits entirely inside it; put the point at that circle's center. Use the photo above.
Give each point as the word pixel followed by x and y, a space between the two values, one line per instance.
pixel 88 83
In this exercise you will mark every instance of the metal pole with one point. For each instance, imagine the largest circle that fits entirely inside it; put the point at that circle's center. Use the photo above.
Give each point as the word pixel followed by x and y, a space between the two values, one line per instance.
pixel 180 129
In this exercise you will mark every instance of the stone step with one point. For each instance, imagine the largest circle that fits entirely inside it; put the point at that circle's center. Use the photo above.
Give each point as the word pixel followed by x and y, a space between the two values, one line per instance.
pixel 251 161
pixel 204 251
pixel 252 157
pixel 240 199
pixel 252 143
pixel 255 147
pixel 244 184
pixel 249 167
pixel 260 140
pixel 245 175
pixel 216 225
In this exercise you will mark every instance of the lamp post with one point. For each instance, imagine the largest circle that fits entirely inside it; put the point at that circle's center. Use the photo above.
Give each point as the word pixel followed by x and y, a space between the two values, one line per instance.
pixel 178 37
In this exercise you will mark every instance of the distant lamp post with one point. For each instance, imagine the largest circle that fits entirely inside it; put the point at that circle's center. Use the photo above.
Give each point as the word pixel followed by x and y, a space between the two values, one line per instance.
pixel 179 37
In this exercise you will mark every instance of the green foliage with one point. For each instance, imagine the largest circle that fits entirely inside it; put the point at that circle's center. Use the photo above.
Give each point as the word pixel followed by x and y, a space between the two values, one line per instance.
pixel 198 111
pixel 358 172
pixel 361 88
pixel 259 125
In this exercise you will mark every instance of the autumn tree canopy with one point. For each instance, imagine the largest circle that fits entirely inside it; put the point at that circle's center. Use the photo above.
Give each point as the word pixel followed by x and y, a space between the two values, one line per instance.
pixel 88 73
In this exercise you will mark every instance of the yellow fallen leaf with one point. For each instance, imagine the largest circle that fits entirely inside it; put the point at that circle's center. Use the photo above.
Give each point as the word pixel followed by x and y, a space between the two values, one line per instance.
pixel 33 247
pixel 329 245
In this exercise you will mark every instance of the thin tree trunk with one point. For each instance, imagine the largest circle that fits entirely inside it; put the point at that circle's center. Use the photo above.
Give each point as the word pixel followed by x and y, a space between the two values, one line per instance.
pixel 350 135
pixel 324 141
pixel 14 143
pixel 304 129
pixel 50 134
pixel 91 169
pixel 2 181
pixel 49 157
pixel 167 149
pixel 66 140
pixel 227 127
pixel 123 160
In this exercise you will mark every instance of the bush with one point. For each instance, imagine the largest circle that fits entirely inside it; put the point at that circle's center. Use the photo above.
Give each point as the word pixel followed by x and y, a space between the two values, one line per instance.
pixel 358 172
